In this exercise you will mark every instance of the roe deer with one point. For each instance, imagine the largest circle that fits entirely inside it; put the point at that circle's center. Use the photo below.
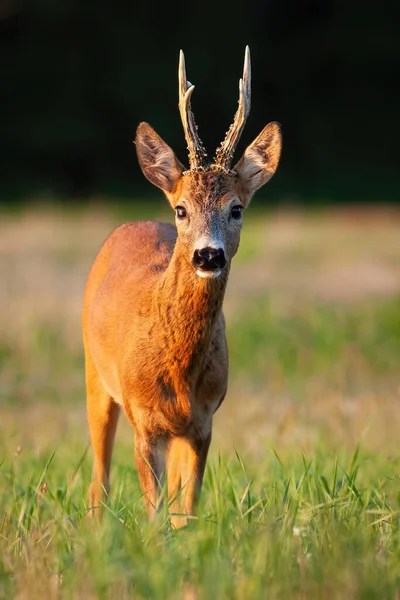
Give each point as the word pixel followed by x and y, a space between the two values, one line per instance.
pixel 154 331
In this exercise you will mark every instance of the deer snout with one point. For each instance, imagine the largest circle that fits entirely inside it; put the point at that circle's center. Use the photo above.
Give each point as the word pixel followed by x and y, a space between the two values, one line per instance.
pixel 209 259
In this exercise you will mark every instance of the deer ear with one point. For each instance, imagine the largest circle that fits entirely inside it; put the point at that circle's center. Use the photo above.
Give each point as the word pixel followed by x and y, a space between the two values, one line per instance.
pixel 157 161
pixel 259 161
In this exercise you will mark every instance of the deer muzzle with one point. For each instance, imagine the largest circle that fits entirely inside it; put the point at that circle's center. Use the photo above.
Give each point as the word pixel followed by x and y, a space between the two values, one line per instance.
pixel 209 260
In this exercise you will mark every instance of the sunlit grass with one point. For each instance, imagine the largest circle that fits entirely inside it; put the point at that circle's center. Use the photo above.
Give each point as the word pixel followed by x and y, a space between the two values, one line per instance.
pixel 320 526
pixel 355 346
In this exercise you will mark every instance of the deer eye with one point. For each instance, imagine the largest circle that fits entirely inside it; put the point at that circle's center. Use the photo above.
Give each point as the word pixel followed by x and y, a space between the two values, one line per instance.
pixel 181 212
pixel 236 212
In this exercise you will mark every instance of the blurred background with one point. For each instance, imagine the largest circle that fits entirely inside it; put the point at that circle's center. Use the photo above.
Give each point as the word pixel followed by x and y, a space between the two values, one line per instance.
pixel 77 78
pixel 313 300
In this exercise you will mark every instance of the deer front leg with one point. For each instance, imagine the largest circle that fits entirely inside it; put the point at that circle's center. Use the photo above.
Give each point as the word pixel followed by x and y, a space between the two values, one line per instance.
pixel 186 461
pixel 150 461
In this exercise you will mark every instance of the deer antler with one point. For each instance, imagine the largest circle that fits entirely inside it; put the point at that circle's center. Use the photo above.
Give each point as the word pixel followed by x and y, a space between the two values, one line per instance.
pixel 197 152
pixel 224 153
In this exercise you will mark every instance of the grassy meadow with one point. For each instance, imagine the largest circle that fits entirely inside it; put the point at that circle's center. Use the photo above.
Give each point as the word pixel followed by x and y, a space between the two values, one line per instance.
pixel 302 489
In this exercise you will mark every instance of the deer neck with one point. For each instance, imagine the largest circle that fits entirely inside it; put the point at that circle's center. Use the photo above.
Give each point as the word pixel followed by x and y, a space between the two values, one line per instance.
pixel 188 307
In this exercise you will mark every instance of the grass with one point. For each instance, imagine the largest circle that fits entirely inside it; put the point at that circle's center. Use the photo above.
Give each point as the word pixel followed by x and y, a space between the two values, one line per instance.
pixel 322 526
pixel 361 341
pixel 301 496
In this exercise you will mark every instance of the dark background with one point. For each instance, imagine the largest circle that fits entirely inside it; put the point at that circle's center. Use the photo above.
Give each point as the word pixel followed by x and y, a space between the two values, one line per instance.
pixel 77 77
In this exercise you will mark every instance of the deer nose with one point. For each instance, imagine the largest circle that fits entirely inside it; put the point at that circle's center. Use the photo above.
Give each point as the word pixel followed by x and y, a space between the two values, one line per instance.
pixel 209 259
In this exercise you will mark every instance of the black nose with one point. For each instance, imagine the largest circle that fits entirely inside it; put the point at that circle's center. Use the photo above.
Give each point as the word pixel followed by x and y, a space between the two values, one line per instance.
pixel 209 259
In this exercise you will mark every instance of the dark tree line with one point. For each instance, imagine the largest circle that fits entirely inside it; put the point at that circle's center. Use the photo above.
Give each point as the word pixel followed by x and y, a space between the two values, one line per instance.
pixel 77 78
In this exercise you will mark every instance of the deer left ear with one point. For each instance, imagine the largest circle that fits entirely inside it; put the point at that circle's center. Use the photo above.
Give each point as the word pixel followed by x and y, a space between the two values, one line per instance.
pixel 259 161
pixel 157 160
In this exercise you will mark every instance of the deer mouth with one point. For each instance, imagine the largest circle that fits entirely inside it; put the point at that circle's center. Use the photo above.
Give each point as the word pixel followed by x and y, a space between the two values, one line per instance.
pixel 208 274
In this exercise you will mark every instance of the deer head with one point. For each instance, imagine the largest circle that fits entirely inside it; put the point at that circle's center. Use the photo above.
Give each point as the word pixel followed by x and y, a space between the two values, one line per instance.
pixel 209 197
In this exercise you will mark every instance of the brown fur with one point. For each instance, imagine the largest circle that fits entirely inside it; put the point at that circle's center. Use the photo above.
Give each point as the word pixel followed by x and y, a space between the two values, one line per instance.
pixel 154 332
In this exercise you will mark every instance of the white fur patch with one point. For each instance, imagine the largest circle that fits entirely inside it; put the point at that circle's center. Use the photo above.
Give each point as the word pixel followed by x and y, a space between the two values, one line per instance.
pixel 208 274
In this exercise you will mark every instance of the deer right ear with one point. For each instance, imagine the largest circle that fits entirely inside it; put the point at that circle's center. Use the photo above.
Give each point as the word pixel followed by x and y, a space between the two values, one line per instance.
pixel 157 161
pixel 260 161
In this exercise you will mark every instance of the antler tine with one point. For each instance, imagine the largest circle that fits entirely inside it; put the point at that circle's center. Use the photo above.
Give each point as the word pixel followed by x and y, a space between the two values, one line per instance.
pixel 197 152
pixel 225 152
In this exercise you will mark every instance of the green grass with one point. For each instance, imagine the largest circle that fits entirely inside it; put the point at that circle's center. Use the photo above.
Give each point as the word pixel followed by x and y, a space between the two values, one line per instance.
pixel 301 497
pixel 325 526
pixel 356 345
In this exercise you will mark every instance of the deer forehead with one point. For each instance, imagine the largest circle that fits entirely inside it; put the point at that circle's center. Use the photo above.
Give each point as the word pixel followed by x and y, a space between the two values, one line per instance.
pixel 208 190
